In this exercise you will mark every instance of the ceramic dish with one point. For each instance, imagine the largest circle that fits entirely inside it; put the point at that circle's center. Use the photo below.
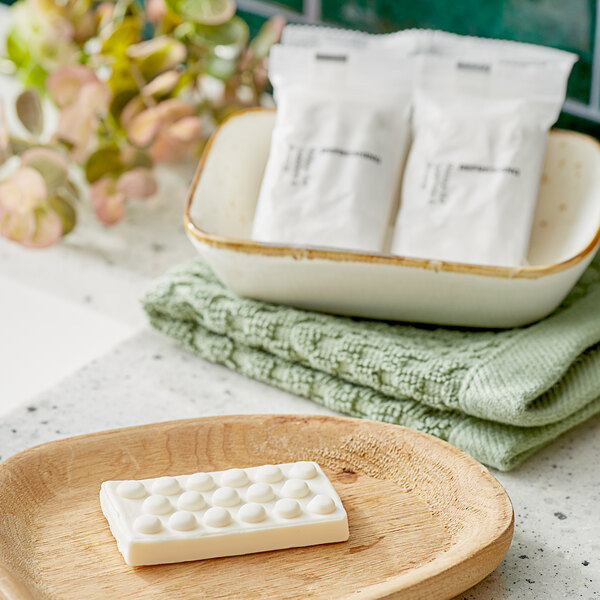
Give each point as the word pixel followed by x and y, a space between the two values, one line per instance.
pixel 426 520
pixel 566 235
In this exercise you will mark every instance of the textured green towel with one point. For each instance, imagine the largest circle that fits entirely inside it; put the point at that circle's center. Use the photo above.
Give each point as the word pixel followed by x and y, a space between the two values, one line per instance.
pixel 498 395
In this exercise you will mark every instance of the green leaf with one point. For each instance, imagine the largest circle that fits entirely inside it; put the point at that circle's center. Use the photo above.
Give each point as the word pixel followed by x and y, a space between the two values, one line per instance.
pixel 157 55
pixel 185 80
pixel 162 85
pixel 234 32
pixel 184 32
pixel 34 75
pixel 16 49
pixel 269 34
pixel 119 101
pixel 207 12
pixel 65 211
pixel 134 157
pixel 221 68
pixel 117 37
pixel 29 111
pixel 51 165
pixel 222 113
pixel 102 162
pixel 173 5
pixel 121 78
pixel 70 191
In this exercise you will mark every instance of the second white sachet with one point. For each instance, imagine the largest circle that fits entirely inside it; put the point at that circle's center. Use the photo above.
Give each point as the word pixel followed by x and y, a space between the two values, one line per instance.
pixel 471 181
pixel 337 150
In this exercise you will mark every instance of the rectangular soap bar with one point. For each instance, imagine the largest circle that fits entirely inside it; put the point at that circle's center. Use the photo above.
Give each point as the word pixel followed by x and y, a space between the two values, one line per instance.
pixel 223 513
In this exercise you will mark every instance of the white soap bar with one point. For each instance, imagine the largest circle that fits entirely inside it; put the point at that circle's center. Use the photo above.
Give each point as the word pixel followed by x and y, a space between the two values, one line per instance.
pixel 223 513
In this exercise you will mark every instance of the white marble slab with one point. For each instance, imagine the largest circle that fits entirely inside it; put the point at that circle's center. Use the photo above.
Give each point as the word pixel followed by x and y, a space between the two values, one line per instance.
pixel 44 338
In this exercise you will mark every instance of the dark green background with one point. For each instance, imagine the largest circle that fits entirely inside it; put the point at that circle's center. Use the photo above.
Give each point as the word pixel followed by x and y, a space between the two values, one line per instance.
pixel 566 24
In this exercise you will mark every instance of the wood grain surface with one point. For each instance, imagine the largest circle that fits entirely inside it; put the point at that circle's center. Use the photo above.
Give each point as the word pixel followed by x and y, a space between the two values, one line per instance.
pixel 426 520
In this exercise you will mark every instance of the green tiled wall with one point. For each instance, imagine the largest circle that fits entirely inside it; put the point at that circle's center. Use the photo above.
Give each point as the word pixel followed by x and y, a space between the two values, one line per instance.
pixel 566 24
pixel 296 5
pixel 254 21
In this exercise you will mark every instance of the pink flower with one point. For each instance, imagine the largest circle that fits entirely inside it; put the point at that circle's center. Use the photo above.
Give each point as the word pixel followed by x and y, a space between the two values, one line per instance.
pixel 109 194
pixel 108 202
pixel 64 83
pixel 133 108
pixel 79 121
pixel 176 140
pixel 161 85
pixel 51 165
pixel 170 128
pixel 25 216
pixel 158 54
pixel 137 183
pixel 144 127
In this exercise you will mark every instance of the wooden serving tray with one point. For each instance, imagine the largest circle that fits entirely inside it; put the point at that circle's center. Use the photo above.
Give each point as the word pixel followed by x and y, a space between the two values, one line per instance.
pixel 426 520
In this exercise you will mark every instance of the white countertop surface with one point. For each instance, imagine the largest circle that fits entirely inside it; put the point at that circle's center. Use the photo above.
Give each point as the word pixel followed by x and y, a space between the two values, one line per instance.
pixel 77 356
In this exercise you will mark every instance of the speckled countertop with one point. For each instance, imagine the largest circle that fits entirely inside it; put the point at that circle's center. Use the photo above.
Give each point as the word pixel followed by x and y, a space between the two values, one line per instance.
pixel 555 553
pixel 146 378
pixel 142 377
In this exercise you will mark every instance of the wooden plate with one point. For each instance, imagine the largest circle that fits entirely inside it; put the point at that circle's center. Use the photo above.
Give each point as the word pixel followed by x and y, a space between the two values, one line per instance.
pixel 426 520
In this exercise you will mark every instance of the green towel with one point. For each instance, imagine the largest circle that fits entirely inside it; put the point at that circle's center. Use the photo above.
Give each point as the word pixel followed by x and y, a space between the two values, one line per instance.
pixel 498 395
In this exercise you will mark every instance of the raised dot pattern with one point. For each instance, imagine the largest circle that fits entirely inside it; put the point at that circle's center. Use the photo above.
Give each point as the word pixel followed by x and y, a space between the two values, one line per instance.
pixel 217 501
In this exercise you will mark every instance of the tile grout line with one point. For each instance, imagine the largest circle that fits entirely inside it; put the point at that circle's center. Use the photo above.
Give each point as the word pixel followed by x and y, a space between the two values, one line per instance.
pixel 595 82
pixel 265 9
pixel 313 10
pixel 582 110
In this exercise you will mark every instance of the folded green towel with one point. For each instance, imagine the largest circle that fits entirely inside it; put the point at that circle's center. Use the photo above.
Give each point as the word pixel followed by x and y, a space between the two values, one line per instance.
pixel 498 395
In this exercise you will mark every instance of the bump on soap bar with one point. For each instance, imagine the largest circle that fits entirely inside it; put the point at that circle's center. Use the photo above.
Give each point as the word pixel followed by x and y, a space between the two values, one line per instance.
pixel 225 513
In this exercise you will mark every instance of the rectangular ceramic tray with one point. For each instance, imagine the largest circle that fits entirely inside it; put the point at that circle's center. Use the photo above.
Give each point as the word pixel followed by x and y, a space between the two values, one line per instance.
pixel 566 234
pixel 426 520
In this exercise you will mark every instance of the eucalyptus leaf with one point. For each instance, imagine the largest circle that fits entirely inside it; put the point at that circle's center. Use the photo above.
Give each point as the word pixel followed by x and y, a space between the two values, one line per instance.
pixel 102 162
pixel 157 55
pixel 234 32
pixel 48 228
pixel 119 101
pixel 118 36
pixel 134 157
pixel 222 113
pixel 50 164
pixel 65 211
pixel 184 32
pixel 207 12
pixel 185 80
pixel 173 5
pixel 18 145
pixel 121 79
pixel 29 111
pixel 33 75
pixel 221 68
pixel 70 191
pixel 269 34
pixel 16 49
pixel 162 85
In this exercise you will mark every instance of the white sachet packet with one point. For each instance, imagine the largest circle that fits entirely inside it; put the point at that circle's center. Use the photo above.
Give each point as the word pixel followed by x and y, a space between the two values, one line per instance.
pixel 337 150
pixel 467 47
pixel 408 42
pixel 470 185
pixel 401 43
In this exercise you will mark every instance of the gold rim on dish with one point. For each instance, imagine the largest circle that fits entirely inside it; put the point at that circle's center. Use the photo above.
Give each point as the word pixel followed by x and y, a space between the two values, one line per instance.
pixel 253 247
